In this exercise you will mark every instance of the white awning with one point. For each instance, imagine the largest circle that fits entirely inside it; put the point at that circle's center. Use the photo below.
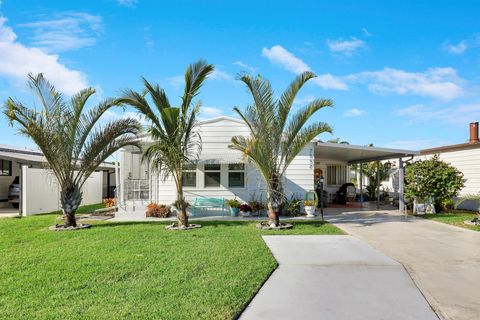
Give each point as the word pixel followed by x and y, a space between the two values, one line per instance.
pixel 229 156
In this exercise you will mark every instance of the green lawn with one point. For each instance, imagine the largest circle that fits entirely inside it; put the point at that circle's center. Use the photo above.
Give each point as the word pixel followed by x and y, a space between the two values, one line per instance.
pixel 456 218
pixel 133 270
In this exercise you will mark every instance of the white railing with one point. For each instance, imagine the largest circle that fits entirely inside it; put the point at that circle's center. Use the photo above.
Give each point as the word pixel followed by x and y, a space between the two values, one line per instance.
pixel 136 190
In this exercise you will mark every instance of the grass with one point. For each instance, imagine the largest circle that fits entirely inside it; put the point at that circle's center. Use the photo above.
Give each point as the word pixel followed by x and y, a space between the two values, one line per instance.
pixel 455 217
pixel 133 270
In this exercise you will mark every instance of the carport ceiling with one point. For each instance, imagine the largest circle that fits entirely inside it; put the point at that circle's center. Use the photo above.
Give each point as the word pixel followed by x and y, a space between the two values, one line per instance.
pixel 355 154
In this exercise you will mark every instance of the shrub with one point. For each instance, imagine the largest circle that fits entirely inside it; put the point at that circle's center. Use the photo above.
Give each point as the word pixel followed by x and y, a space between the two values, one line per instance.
pixel 432 178
pixel 256 205
pixel 292 205
pixel 109 202
pixel 233 203
pixel 245 207
pixel 158 210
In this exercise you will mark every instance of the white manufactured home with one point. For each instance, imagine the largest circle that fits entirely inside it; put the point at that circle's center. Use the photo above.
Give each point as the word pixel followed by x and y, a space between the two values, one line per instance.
pixel 224 173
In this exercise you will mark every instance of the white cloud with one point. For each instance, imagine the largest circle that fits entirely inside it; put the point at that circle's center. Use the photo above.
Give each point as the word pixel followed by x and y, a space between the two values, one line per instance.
pixel 280 56
pixel 128 3
pixel 245 66
pixel 218 74
pixel 366 33
pixel 328 81
pixel 460 114
pixel 210 112
pixel 66 31
pixel 18 60
pixel 176 81
pixel 354 112
pixel 458 48
pixel 345 47
pixel 304 100
pixel 441 83
pixel 111 115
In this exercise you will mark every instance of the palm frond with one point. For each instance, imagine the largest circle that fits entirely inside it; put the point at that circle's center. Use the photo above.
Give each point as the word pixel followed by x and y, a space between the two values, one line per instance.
pixel 288 96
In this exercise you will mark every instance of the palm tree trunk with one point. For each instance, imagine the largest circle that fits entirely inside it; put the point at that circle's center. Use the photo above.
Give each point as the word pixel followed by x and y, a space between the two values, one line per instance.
pixel 273 208
pixel 70 198
pixel 182 213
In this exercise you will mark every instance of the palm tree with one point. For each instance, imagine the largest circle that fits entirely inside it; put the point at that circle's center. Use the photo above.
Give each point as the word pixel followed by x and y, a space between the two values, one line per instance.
pixel 174 130
pixel 276 135
pixel 71 139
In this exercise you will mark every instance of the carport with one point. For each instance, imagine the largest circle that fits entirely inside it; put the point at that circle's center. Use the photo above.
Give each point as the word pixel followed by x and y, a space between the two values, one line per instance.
pixel 37 185
pixel 354 154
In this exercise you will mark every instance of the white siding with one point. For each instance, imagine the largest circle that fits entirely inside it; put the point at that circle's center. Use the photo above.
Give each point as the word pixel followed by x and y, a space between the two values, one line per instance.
pixel 216 136
pixel 299 175
pixel 467 161
pixel 41 194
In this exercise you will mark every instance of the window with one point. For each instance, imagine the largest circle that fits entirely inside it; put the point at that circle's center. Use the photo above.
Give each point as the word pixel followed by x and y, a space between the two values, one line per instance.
pixel 236 175
pixel 189 177
pixel 212 175
pixel 5 168
pixel 336 175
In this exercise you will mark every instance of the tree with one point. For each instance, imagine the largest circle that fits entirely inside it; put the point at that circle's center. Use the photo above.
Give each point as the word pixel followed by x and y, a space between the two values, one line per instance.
pixel 174 130
pixel 432 178
pixel 71 138
pixel 276 135
pixel 338 140
pixel 370 170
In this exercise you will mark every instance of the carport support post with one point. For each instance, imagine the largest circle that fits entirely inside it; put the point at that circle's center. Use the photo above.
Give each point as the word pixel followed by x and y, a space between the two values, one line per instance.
pixel 378 184
pixel 401 199
pixel 361 183
pixel 23 190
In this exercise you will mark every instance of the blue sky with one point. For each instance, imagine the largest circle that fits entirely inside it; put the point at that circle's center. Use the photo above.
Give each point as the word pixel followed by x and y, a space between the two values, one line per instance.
pixel 403 75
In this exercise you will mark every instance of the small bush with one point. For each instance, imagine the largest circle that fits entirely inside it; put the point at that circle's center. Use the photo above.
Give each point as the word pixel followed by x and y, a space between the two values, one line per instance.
pixel 245 207
pixel 158 210
pixel 432 178
pixel 256 206
pixel 109 202
pixel 233 203
pixel 292 206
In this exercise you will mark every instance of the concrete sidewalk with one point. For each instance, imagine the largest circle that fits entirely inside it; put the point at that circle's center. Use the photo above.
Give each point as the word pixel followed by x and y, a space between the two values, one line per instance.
pixel 443 260
pixel 335 277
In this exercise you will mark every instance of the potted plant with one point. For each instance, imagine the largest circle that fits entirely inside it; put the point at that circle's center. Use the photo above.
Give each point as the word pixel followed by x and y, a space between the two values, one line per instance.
pixel 234 205
pixel 256 206
pixel 245 210
pixel 310 203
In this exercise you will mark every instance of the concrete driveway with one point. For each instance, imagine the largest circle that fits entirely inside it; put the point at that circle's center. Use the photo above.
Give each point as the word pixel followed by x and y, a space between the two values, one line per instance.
pixel 443 260
pixel 337 278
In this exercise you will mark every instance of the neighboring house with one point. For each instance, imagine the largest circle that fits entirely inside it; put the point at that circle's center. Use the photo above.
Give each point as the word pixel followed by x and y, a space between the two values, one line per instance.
pixel 38 189
pixel 224 173
pixel 465 157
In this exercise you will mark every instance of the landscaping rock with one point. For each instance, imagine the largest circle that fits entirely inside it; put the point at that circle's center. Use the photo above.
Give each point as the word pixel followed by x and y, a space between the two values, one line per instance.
pixel 61 227
pixel 175 226
pixel 281 226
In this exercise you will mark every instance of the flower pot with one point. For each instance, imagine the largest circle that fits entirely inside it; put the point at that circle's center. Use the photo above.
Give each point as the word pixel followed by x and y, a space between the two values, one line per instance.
pixel 234 212
pixel 310 211
pixel 245 213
